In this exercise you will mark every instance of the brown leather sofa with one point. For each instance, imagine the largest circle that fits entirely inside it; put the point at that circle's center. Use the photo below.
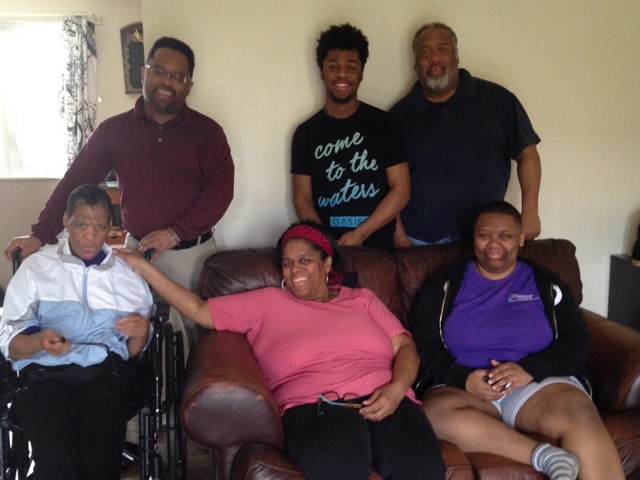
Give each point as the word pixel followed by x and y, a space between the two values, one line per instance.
pixel 227 407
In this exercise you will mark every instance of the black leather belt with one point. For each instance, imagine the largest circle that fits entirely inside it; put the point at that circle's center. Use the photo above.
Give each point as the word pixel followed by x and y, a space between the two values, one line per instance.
pixel 184 244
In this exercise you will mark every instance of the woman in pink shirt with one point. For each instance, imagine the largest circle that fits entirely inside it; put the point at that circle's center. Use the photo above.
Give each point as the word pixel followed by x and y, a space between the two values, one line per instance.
pixel 339 363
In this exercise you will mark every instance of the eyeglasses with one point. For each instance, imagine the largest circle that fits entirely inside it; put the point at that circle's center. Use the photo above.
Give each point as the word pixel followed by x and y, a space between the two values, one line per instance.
pixel 348 400
pixel 160 72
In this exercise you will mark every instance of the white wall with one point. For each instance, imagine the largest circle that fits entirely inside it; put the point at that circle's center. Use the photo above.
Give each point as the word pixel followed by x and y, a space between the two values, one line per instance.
pixel 573 64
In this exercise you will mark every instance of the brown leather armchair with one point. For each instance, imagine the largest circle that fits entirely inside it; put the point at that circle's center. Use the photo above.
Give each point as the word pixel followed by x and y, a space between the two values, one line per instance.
pixel 228 408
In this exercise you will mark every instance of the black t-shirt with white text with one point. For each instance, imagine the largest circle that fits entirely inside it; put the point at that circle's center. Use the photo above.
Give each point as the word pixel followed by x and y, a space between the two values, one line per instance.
pixel 347 161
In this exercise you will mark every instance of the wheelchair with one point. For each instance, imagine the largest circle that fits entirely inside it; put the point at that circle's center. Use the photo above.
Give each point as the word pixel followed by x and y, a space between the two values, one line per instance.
pixel 15 459
pixel 155 393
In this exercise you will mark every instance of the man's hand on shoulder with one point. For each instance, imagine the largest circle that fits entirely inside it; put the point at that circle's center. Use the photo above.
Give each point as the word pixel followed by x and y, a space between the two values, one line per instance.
pixel 29 244
pixel 159 240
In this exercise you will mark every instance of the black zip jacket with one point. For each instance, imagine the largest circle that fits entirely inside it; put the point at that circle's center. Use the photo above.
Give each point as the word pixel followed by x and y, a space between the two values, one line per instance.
pixel 566 355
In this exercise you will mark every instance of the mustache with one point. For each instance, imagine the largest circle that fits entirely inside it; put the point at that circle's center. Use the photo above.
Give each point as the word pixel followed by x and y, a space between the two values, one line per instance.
pixel 165 89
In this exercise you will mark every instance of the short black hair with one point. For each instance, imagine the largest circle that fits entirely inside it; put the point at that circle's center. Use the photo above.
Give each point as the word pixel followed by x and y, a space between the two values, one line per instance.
pixel 342 37
pixel 502 207
pixel 429 26
pixel 90 195
pixel 178 46
pixel 338 258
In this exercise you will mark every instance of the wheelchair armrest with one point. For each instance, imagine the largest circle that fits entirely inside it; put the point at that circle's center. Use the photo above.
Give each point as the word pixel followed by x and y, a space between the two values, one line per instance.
pixel 226 401
pixel 614 363
pixel 161 312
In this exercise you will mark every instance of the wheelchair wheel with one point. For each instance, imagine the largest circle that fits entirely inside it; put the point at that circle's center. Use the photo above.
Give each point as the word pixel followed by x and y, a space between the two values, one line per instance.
pixel 6 463
pixel 160 414
pixel 22 455
pixel 15 456
pixel 176 444
pixel 181 437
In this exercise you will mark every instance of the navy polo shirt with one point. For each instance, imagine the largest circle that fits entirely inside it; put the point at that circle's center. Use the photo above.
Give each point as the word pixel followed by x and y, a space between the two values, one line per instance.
pixel 460 153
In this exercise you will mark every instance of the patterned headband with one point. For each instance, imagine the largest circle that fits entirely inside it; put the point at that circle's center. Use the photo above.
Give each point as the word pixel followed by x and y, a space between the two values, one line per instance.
pixel 311 234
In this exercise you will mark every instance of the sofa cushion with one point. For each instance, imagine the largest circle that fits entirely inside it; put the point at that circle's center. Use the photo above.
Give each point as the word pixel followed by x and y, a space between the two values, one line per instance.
pixel 417 265
pixel 376 271
pixel 614 363
pixel 487 466
pixel 261 461
pixel 237 271
pixel 258 461
pixel 559 256
pixel 624 428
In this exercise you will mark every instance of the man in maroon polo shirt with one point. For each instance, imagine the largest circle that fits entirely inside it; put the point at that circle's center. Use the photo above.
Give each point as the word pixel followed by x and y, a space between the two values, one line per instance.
pixel 173 165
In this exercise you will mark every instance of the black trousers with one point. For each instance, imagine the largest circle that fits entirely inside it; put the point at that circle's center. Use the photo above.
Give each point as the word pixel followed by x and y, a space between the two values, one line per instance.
pixel 339 443
pixel 76 426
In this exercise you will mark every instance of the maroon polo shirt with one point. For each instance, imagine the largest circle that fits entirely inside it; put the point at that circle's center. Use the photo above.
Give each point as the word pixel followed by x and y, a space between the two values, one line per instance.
pixel 178 174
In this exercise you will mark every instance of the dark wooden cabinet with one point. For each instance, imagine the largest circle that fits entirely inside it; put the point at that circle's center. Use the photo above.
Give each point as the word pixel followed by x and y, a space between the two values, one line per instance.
pixel 624 291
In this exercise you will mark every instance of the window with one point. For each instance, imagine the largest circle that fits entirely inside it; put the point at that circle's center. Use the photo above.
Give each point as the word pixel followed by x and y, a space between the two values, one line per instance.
pixel 32 130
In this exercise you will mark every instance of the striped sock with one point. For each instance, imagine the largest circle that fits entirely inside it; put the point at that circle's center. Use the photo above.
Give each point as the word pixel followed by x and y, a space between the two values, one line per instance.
pixel 557 463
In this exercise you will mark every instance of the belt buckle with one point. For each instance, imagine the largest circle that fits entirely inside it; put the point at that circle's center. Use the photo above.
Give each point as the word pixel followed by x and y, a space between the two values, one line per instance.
pixel 204 237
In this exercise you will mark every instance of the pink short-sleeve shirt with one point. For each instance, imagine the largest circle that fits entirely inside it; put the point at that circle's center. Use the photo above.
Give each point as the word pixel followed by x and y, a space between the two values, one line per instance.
pixel 306 347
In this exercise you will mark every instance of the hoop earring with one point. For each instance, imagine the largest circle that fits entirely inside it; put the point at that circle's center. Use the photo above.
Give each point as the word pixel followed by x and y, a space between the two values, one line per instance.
pixel 283 286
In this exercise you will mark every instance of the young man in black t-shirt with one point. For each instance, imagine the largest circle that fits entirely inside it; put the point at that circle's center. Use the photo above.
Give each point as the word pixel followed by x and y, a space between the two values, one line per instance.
pixel 348 163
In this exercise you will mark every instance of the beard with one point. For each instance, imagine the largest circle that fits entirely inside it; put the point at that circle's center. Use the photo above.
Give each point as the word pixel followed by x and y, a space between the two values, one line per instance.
pixel 438 84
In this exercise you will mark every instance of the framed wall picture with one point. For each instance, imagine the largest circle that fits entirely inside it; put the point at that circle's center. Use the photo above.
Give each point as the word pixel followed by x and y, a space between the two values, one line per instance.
pixel 131 38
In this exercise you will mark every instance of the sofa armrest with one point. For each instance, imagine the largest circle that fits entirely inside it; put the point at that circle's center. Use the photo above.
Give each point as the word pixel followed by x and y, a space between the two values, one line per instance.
pixel 614 363
pixel 226 401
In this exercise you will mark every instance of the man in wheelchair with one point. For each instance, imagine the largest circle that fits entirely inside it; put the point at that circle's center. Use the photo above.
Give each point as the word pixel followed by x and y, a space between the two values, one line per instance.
pixel 73 316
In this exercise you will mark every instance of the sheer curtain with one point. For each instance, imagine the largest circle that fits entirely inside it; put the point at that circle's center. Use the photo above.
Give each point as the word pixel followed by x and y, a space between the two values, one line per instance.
pixel 80 93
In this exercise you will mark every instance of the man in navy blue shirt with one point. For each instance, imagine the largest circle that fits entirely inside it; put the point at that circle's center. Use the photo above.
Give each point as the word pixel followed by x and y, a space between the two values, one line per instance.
pixel 461 133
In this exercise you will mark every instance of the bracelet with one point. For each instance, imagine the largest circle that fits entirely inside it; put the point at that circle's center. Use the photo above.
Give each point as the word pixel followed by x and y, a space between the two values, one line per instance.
pixel 174 237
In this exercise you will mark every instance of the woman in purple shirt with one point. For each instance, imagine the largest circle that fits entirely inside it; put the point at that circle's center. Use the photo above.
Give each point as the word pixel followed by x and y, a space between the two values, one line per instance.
pixel 503 349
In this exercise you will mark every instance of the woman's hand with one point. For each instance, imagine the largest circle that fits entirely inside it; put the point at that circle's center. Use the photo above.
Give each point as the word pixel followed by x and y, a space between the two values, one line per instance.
pixel 504 377
pixel 385 400
pixel 382 402
pixel 134 258
pixel 478 386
